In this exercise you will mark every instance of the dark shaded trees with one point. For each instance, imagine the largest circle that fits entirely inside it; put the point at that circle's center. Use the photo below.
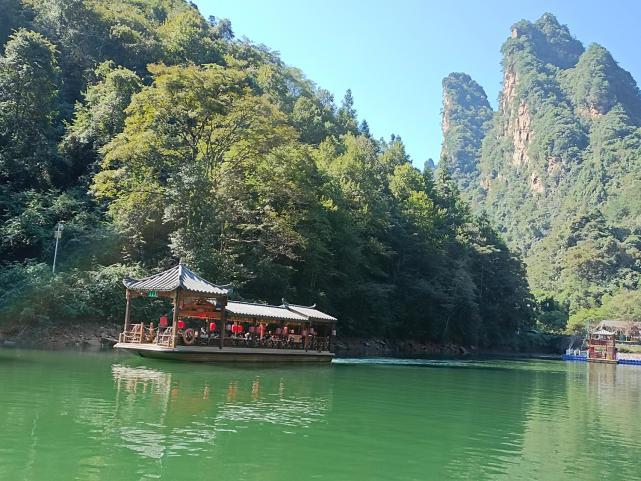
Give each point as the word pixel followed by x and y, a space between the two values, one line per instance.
pixel 156 135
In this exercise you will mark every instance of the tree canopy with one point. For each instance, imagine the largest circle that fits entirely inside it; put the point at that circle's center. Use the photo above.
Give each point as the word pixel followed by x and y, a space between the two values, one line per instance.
pixel 557 168
pixel 156 135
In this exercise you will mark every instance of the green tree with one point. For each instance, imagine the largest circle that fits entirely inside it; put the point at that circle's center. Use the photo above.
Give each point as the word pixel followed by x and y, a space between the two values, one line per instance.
pixel 346 116
pixel 100 116
pixel 29 77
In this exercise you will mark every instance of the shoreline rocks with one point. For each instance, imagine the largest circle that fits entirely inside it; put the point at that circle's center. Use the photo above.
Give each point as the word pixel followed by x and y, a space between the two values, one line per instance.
pixel 94 336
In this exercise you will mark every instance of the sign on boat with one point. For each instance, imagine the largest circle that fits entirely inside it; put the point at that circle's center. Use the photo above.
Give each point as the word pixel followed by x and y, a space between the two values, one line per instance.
pixel 206 326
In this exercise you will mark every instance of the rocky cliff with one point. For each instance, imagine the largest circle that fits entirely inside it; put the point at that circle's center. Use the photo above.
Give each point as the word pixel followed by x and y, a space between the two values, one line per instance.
pixel 466 117
pixel 558 166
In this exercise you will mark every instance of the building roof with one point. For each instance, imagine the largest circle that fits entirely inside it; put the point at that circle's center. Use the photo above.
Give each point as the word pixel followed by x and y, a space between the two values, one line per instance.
pixel 602 332
pixel 310 312
pixel 617 324
pixel 263 311
pixel 179 276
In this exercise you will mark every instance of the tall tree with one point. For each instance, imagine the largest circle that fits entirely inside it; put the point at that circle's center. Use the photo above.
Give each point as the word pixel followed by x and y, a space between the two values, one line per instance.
pixel 99 117
pixel 29 82
pixel 347 119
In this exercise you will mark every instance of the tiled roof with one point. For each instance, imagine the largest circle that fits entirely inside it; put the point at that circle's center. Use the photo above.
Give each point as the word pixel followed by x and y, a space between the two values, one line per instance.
pixel 602 332
pixel 310 312
pixel 617 324
pixel 263 311
pixel 169 280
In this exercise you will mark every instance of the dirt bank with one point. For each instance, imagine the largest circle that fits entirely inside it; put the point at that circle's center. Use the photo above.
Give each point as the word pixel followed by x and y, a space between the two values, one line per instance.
pixel 97 335
pixel 92 335
pixel 61 336
pixel 377 347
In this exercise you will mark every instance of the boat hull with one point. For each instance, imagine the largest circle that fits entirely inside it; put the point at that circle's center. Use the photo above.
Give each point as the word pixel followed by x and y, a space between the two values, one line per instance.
pixel 226 354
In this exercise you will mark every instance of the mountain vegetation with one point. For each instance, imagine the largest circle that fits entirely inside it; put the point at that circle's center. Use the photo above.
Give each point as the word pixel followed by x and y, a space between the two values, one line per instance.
pixel 557 168
pixel 155 134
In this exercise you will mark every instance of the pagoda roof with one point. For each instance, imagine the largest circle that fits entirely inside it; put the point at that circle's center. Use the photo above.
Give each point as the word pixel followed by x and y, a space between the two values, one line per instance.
pixel 178 277
pixel 310 312
pixel 262 311
pixel 602 332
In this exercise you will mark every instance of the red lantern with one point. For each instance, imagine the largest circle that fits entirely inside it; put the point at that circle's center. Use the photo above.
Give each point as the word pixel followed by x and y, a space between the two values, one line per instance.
pixel 261 330
pixel 181 324
pixel 212 326
pixel 239 329
pixel 285 330
pixel 252 328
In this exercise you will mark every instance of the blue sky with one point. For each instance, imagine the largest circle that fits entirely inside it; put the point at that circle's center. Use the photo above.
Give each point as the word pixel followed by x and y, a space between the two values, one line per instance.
pixel 394 54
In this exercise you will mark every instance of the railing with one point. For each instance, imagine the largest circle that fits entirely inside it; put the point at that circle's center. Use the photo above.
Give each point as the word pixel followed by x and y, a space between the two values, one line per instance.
pixel 139 334
pixel 308 344
pixel 576 352
pixel 165 336
pixel 135 334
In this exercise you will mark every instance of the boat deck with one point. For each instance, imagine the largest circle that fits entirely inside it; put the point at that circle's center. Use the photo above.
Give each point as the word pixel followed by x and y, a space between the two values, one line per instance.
pixel 225 354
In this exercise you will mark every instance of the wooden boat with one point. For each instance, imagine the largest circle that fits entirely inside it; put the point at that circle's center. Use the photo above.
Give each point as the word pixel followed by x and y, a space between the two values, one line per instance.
pixel 205 326
pixel 226 354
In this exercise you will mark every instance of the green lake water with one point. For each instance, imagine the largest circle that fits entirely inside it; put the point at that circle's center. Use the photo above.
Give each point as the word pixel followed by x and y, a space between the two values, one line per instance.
pixel 105 416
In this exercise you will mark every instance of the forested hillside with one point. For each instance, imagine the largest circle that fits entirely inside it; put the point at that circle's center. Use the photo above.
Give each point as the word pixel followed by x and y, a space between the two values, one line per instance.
pixel 557 168
pixel 156 135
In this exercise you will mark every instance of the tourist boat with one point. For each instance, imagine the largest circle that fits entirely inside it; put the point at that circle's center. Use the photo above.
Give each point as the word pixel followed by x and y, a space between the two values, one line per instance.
pixel 205 326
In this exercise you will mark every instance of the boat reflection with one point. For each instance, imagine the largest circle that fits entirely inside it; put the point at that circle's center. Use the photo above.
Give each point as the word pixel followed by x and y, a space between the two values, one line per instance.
pixel 182 411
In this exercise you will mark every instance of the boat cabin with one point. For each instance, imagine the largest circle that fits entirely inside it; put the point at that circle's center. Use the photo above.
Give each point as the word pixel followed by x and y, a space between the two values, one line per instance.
pixel 204 325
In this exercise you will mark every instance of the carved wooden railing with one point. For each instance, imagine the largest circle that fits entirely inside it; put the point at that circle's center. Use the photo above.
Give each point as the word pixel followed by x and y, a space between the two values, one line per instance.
pixel 134 334
pixel 138 334
pixel 309 344
pixel 165 336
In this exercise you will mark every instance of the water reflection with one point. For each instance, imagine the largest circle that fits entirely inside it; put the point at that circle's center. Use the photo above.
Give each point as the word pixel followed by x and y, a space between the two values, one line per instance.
pixel 168 413
pixel 76 417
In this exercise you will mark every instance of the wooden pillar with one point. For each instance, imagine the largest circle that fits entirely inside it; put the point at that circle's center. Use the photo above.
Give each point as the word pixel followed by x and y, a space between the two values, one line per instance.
pixel 127 313
pixel 332 327
pixel 223 322
pixel 175 319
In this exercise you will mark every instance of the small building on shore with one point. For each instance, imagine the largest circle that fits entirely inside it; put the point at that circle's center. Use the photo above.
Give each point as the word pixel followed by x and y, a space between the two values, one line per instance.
pixel 624 330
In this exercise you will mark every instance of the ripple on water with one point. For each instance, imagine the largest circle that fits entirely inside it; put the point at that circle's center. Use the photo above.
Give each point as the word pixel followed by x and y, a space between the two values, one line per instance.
pixel 70 416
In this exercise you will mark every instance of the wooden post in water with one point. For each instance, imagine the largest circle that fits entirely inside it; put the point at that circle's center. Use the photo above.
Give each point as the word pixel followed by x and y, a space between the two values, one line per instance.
pixel 175 319
pixel 127 310
pixel 223 321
